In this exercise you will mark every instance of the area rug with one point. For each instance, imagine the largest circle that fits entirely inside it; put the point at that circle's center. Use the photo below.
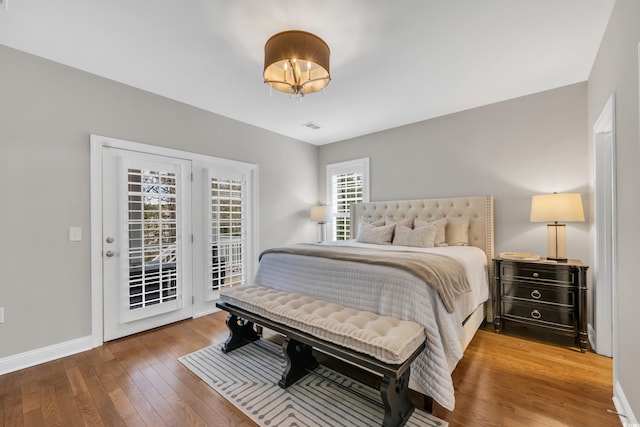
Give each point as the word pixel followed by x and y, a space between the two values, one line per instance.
pixel 248 378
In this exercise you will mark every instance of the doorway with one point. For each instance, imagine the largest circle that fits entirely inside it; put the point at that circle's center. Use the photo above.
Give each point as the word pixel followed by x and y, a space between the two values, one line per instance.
pixel 169 230
pixel 603 289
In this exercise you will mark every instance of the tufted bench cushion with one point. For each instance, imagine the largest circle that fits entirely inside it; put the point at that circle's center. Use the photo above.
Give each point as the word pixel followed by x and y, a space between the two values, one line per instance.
pixel 387 339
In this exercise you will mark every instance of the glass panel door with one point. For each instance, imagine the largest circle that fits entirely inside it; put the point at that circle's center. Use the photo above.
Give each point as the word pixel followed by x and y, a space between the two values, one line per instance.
pixel 147 241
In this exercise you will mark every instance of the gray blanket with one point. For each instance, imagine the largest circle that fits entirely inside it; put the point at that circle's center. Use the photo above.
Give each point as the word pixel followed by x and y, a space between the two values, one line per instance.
pixel 444 274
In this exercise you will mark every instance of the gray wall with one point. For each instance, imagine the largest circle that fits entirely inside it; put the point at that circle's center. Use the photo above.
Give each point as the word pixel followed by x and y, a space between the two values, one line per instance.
pixel 616 71
pixel 47 112
pixel 511 150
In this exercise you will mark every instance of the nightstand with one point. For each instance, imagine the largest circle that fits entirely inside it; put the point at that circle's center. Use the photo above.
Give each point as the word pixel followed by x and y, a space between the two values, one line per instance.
pixel 546 295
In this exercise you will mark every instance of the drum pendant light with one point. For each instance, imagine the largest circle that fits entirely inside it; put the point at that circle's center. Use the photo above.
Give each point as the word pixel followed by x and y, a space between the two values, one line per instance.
pixel 296 62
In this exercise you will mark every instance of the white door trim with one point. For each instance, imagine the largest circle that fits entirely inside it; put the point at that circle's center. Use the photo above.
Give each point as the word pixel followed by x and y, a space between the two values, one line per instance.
pixel 97 143
pixel 605 223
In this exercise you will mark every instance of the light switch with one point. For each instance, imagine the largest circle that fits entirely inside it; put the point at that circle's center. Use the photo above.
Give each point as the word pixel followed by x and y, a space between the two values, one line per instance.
pixel 75 234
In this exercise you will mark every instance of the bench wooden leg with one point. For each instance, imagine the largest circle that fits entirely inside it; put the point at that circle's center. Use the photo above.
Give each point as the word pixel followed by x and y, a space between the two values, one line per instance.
pixel 241 332
pixel 395 397
pixel 299 360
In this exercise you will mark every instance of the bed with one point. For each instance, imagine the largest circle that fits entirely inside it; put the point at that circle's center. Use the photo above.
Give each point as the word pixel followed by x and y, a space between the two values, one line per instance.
pixel 390 291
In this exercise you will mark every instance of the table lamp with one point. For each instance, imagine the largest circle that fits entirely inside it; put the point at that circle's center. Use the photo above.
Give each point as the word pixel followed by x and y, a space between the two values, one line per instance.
pixel 321 215
pixel 557 208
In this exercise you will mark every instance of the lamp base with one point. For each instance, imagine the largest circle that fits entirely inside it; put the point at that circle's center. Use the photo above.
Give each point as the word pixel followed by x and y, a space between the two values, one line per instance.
pixel 557 242
pixel 322 232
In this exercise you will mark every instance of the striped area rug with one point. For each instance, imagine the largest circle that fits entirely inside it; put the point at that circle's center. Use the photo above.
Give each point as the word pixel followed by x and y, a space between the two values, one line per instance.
pixel 248 378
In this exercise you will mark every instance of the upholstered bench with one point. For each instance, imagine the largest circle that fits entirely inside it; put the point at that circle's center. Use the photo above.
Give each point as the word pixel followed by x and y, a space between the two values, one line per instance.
pixel 383 344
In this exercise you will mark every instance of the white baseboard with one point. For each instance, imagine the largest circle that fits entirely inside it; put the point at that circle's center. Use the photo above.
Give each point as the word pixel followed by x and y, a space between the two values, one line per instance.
pixel 592 336
pixel 44 354
pixel 205 312
pixel 622 406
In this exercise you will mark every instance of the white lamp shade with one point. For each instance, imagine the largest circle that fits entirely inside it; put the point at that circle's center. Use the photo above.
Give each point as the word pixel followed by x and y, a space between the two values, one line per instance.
pixel 566 207
pixel 321 214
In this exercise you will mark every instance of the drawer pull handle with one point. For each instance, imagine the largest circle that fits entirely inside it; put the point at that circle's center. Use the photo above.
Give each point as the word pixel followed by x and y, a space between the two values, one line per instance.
pixel 536 314
pixel 535 294
pixel 536 275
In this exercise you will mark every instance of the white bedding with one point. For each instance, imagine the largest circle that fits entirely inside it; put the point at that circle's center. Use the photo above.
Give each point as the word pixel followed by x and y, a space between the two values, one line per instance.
pixel 472 259
pixel 391 292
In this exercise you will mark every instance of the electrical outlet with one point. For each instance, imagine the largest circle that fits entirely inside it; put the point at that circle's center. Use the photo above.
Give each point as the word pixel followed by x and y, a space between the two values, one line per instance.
pixel 1 314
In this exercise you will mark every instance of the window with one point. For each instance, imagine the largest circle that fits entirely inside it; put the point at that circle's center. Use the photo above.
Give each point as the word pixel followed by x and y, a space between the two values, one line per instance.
pixel 227 233
pixel 347 183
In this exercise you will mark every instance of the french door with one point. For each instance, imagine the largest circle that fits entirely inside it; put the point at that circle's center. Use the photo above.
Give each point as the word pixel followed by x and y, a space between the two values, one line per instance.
pixel 147 260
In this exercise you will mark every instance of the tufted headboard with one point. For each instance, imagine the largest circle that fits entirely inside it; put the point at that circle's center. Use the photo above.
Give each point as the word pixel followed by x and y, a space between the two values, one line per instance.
pixel 479 209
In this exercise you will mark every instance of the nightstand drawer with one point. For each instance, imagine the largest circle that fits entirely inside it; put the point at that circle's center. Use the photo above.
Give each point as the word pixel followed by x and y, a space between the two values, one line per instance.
pixel 532 272
pixel 539 293
pixel 539 313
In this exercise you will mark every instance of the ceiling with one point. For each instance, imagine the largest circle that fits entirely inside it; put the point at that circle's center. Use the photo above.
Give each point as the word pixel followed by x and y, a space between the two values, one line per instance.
pixel 392 62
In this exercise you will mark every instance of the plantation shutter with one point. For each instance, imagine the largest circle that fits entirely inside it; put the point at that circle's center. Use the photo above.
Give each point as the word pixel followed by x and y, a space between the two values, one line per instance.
pixel 347 189
pixel 347 185
pixel 227 231
pixel 152 223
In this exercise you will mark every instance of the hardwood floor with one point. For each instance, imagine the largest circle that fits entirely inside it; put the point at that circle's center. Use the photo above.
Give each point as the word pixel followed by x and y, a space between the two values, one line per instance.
pixel 510 381
pixel 137 381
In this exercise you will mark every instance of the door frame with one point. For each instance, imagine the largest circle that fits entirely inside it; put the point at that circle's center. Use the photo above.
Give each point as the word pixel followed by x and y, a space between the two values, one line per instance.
pixel 97 143
pixel 604 302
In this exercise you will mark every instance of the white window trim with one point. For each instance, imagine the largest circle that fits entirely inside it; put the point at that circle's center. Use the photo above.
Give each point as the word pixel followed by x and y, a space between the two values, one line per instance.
pixel 349 166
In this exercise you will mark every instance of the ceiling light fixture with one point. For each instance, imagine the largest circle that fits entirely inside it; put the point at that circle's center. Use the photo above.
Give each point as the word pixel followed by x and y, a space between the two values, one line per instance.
pixel 296 62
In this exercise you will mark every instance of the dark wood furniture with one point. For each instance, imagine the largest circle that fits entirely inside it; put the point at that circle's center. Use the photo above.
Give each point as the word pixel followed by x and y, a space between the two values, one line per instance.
pixel 542 294
pixel 297 351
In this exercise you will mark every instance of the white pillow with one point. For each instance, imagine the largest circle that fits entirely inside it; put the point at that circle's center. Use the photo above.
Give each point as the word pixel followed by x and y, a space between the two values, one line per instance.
pixel 440 225
pixel 407 222
pixel 421 237
pixel 458 231
pixel 368 233
pixel 369 220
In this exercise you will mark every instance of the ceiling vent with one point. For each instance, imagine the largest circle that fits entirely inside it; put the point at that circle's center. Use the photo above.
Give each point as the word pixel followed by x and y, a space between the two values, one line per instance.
pixel 311 125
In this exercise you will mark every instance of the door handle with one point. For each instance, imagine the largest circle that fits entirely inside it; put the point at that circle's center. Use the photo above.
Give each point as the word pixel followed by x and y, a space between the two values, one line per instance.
pixel 109 254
